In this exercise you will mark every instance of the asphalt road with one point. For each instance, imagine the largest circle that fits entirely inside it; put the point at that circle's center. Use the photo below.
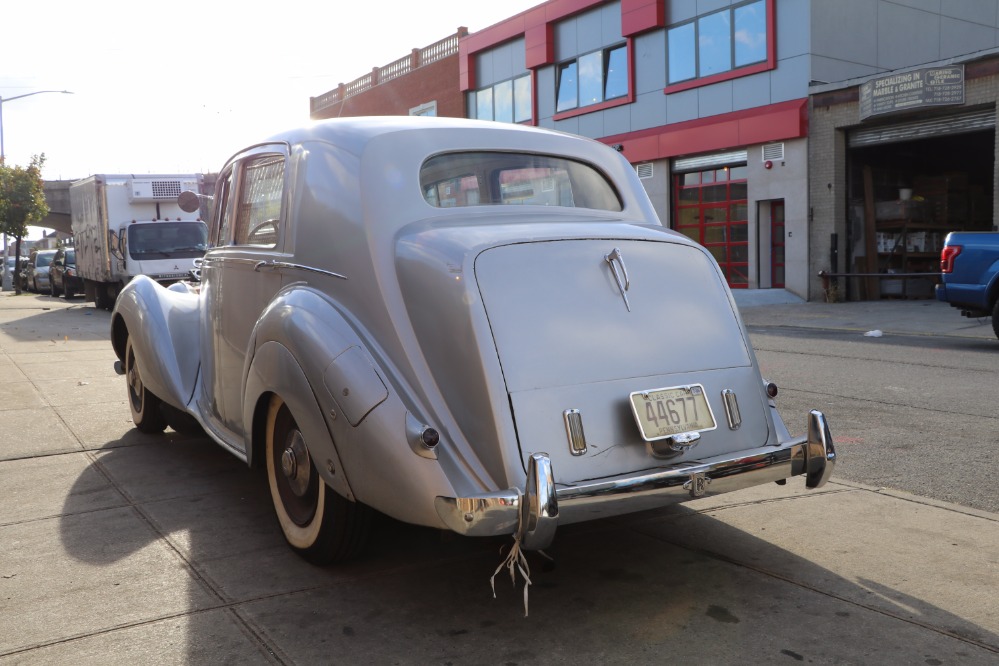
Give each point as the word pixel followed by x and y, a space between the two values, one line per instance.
pixel 908 412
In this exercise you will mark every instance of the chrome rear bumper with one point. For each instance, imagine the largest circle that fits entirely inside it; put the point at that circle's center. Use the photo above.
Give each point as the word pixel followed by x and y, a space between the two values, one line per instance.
pixel 535 512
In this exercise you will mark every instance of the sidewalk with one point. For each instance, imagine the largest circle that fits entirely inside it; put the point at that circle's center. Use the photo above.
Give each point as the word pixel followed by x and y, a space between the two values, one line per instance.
pixel 906 317
pixel 120 547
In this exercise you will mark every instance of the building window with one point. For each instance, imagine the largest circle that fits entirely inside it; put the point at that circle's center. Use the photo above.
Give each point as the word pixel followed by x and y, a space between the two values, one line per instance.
pixel 507 101
pixel 718 42
pixel 592 78
pixel 712 208
pixel 428 109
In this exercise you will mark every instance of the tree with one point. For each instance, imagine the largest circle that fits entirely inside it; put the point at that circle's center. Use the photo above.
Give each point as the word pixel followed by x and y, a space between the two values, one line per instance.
pixel 22 201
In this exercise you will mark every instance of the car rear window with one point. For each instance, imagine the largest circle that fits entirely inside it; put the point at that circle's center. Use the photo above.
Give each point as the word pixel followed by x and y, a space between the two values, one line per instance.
pixel 499 178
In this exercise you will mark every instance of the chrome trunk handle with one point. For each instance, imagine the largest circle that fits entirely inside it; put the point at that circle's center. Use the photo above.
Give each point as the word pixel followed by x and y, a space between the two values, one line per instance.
pixel 616 259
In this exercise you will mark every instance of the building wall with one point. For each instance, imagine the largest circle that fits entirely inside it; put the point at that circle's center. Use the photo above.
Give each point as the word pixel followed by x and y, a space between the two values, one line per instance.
pixel 501 63
pixel 787 181
pixel 853 38
pixel 436 82
pixel 652 107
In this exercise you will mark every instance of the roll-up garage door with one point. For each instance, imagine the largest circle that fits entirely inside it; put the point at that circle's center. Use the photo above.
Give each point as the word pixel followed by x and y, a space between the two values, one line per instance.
pixel 713 161
pixel 974 121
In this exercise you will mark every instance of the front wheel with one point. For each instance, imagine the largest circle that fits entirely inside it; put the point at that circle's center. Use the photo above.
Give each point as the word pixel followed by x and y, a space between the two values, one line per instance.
pixel 318 524
pixel 144 405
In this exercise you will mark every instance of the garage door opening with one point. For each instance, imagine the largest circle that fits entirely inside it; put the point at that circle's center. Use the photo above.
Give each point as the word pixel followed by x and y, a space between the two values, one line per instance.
pixel 916 191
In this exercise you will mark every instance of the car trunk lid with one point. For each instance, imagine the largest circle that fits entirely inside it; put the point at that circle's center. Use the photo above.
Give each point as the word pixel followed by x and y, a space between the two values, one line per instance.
pixel 579 325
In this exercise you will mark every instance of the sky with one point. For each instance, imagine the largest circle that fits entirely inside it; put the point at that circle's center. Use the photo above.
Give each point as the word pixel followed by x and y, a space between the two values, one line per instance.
pixel 178 87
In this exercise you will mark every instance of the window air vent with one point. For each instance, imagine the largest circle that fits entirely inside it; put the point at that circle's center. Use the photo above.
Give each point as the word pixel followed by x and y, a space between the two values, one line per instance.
pixel 644 170
pixel 773 152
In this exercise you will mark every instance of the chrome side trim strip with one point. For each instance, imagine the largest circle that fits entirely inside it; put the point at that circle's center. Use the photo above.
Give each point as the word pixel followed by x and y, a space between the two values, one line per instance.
pixel 280 265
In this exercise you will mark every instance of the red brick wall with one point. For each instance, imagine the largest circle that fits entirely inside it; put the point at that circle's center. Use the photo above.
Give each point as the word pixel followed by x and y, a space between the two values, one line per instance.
pixel 437 81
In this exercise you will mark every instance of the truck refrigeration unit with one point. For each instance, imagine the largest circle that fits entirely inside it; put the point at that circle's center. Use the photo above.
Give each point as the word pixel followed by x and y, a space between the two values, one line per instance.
pixel 128 225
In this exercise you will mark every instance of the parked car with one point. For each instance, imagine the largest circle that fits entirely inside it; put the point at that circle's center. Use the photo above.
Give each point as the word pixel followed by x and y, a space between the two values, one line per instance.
pixel 463 324
pixel 969 274
pixel 39 275
pixel 63 278
pixel 10 271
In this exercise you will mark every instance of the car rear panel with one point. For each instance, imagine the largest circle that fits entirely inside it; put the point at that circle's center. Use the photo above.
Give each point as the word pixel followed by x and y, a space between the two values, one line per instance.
pixel 572 336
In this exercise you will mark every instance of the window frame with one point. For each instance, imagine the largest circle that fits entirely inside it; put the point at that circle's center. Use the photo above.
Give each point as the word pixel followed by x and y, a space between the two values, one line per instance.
pixel 259 160
pixel 769 61
pixel 512 81
pixel 605 60
pixel 590 188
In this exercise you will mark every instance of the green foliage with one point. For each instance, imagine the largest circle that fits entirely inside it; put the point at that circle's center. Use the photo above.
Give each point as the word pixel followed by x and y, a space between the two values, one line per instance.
pixel 22 197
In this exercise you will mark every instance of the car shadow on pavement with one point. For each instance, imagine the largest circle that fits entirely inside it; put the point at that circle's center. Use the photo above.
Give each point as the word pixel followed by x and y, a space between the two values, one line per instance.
pixel 183 546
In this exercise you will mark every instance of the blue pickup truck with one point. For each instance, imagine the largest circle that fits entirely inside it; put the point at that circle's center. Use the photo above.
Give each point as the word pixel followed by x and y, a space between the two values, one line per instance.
pixel 969 270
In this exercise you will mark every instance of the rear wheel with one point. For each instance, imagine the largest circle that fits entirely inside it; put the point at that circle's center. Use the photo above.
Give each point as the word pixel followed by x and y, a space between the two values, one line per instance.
pixel 995 318
pixel 318 524
pixel 144 405
pixel 53 292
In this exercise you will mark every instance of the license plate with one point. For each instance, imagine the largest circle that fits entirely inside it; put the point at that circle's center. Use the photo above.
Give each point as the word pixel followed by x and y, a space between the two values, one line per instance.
pixel 665 412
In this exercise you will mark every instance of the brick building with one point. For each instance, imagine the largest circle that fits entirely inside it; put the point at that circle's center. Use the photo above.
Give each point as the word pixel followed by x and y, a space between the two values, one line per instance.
pixel 710 100
pixel 425 82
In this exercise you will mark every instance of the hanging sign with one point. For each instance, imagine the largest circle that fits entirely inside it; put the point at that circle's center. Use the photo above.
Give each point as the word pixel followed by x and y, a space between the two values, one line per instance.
pixel 930 86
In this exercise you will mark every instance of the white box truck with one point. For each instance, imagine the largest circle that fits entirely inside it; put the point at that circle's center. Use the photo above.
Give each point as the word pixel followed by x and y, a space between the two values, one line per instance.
pixel 128 225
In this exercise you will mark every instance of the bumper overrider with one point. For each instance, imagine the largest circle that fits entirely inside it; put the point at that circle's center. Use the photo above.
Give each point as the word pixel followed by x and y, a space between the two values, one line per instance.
pixel 533 513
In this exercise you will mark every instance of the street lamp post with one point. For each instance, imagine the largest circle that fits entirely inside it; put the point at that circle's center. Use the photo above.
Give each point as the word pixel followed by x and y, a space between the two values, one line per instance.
pixel 7 280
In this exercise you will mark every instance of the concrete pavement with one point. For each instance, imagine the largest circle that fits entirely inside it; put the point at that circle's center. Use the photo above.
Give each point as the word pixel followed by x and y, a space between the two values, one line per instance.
pixel 119 547
pixel 776 307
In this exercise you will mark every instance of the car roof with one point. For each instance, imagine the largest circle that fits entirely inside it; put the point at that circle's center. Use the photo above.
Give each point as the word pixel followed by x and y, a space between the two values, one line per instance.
pixel 354 133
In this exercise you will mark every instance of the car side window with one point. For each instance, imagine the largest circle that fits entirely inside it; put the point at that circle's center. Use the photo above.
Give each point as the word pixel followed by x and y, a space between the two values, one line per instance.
pixel 258 213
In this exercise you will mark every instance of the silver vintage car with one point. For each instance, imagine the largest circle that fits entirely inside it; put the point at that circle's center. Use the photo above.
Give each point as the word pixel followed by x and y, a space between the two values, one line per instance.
pixel 465 325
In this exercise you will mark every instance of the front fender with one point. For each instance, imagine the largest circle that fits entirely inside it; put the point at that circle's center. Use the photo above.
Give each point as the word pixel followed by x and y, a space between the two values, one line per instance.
pixel 163 325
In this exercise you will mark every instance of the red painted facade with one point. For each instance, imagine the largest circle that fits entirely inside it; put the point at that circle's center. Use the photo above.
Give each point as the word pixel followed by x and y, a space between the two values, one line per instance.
pixel 776 122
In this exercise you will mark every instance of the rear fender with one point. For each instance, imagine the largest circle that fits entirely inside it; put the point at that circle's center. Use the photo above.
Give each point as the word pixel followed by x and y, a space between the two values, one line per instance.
pixel 308 352
pixel 163 325
pixel 275 370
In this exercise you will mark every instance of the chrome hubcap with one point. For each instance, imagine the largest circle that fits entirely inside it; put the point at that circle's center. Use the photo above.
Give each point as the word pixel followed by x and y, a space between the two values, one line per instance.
pixel 295 464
